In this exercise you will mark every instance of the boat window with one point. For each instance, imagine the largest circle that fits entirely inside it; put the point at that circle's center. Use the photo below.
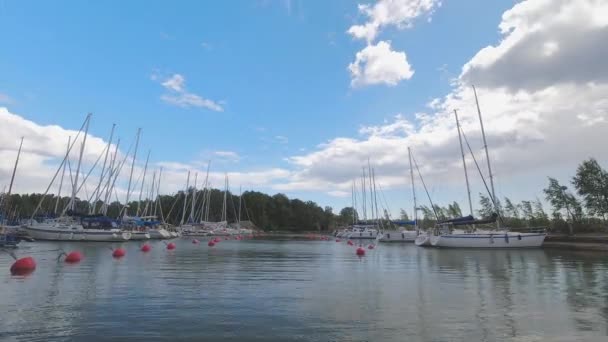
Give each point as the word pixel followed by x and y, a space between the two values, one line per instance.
pixel 370 233
pixel 388 236
pixel 403 235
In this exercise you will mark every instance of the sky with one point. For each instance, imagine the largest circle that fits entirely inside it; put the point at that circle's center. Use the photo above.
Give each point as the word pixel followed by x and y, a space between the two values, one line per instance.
pixel 296 96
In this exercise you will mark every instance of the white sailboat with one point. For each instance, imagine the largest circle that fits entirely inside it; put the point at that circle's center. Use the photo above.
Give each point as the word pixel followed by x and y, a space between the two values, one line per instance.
pixel 499 238
pixel 66 228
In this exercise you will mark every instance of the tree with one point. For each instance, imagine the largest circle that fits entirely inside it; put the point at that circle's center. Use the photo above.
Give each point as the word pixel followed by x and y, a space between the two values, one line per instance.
pixel 348 215
pixel 427 213
pixel 403 215
pixel 454 210
pixel 510 209
pixel 561 199
pixel 591 182
pixel 487 208
pixel 540 215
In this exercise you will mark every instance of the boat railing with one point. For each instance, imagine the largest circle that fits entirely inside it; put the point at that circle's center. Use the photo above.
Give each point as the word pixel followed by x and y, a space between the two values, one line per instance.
pixel 539 229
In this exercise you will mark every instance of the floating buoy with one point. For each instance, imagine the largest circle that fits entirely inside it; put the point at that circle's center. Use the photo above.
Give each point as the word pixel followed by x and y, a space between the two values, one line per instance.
pixel 370 247
pixel 118 253
pixel 211 243
pixel 73 257
pixel 216 240
pixel 360 251
pixel 23 266
pixel 338 240
pixel 170 246
pixel 145 248
pixel 350 243
pixel 195 241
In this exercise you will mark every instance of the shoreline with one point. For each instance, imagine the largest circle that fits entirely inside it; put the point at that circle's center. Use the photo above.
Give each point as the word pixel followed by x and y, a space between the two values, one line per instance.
pixel 583 242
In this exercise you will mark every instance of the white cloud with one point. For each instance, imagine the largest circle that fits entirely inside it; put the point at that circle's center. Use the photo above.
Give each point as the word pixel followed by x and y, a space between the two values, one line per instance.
pixel 227 155
pixel 378 64
pixel 545 42
pixel 339 193
pixel 538 121
pixel 398 13
pixel 179 96
pixel 175 83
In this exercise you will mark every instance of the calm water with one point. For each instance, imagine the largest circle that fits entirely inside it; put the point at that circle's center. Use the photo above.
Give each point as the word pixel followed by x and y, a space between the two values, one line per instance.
pixel 305 291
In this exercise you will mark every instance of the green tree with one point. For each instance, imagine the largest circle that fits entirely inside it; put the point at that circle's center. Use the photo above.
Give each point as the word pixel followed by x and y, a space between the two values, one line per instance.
pixel 403 215
pixel 454 210
pixel 591 182
pixel 510 209
pixel 563 200
pixel 487 208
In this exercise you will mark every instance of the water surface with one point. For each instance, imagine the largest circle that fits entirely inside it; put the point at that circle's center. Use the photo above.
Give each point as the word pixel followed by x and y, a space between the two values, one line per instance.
pixel 260 290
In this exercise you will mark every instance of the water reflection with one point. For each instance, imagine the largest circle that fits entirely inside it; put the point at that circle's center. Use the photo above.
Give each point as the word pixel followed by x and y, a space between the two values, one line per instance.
pixel 306 291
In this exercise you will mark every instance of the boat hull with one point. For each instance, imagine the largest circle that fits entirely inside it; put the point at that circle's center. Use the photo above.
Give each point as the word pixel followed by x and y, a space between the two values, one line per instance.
pixel 159 234
pixel 58 234
pixel 397 236
pixel 498 240
pixel 423 240
pixel 139 235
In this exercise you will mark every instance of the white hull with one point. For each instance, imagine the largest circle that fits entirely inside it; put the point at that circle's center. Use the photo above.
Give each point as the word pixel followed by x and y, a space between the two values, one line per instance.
pixel 487 240
pixel 77 234
pixel 423 240
pixel 397 236
pixel 136 235
pixel 159 234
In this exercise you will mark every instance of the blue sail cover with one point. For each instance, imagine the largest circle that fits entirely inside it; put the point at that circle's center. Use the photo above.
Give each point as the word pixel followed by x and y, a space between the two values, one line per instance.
pixel 459 219
pixel 404 223
pixel 151 223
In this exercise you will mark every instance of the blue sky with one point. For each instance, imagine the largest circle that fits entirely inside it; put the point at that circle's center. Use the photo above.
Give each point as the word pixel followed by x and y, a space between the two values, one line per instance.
pixel 278 69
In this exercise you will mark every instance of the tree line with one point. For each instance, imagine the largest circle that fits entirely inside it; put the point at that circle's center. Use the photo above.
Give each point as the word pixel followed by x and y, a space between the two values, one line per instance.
pixel 584 210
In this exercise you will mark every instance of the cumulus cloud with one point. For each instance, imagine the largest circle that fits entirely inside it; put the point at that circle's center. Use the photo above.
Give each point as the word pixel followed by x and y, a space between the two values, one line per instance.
pixel 537 120
pixel 227 155
pixel 398 13
pixel 379 64
pixel 179 96
pixel 545 42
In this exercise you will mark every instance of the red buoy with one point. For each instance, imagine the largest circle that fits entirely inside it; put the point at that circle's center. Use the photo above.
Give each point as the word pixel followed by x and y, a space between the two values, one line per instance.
pixel 195 241
pixel 360 251
pixel 73 257
pixel 118 253
pixel 217 240
pixel 350 243
pixel 145 248
pixel 23 266
pixel 211 243
pixel 170 246
pixel 370 247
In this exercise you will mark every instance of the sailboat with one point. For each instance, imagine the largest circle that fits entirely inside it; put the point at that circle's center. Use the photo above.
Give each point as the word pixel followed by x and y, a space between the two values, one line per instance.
pixel 366 229
pixel 404 235
pixel 447 236
pixel 69 225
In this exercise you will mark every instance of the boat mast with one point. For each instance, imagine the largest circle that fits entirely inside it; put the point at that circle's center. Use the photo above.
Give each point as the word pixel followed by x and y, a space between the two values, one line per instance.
pixel 464 163
pixel 75 185
pixel 378 217
pixel 143 181
pixel 10 186
pixel 103 172
pixel 352 199
pixel 374 214
pixel 185 199
pixel 240 201
pixel 191 219
pixel 409 153
pixel 485 146
pixel 160 173
pixel 126 206
pixel 224 218
pixel 62 175
pixel 363 199
pixel 109 183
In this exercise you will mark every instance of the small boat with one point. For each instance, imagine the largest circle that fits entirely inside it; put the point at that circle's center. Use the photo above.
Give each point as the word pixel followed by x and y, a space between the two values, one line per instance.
pixel 363 232
pixel 495 239
pixel 423 240
pixel 399 235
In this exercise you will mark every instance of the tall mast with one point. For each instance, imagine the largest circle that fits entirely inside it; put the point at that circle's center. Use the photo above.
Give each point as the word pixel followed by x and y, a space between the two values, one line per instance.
pixel 464 163
pixel 103 171
pixel 84 140
pixel 352 200
pixel 62 175
pixel 193 197
pixel 224 218
pixel 409 152
pixel 363 199
pixel 10 186
pixel 160 173
pixel 371 191
pixel 131 173
pixel 376 197
pixel 485 146
pixel 238 219
pixel 143 181
pixel 111 175
pixel 185 199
